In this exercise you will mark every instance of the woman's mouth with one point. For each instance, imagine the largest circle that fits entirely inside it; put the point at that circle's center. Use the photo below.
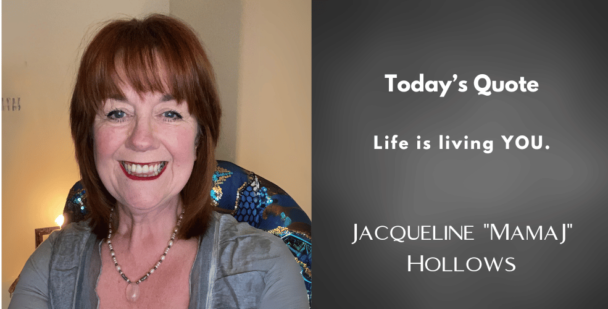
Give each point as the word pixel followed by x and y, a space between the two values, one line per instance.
pixel 143 171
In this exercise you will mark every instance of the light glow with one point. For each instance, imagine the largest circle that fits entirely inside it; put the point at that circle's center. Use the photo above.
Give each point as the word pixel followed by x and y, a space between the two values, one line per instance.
pixel 59 220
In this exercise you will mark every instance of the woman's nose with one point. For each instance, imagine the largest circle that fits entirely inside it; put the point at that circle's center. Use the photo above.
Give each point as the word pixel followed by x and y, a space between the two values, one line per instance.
pixel 143 137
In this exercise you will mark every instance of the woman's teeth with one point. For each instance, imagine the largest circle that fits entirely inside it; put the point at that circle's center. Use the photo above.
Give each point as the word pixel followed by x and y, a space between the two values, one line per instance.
pixel 144 170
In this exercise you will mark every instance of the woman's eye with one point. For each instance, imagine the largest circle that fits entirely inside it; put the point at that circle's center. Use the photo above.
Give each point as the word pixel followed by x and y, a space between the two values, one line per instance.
pixel 116 114
pixel 172 115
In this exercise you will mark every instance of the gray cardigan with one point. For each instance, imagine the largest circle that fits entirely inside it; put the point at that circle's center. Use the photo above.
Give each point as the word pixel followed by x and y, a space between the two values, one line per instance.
pixel 237 266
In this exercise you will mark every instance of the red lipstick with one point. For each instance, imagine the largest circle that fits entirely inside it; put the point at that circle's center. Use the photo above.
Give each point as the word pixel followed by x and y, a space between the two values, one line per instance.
pixel 134 177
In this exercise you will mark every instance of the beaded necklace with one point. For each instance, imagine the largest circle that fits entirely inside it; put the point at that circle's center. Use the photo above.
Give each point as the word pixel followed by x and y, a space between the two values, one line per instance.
pixel 132 290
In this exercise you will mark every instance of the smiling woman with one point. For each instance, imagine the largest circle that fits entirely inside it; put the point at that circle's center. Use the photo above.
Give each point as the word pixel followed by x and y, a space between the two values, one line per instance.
pixel 145 123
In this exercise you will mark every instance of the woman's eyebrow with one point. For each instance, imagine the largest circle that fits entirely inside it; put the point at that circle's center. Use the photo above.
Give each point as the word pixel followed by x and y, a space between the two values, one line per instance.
pixel 167 98
pixel 118 97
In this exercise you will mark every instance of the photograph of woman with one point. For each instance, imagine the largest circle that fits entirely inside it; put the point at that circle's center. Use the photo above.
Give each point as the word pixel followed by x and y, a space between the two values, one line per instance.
pixel 156 221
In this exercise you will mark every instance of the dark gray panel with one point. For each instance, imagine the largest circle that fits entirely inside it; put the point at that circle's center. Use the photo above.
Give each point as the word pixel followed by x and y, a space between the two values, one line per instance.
pixel 564 47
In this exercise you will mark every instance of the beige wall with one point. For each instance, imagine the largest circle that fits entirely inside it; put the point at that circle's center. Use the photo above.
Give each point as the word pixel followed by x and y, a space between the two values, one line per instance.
pixel 274 98
pixel 261 53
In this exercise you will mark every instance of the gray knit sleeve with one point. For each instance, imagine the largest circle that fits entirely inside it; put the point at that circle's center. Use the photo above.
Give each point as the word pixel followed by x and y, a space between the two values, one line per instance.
pixel 284 285
pixel 32 290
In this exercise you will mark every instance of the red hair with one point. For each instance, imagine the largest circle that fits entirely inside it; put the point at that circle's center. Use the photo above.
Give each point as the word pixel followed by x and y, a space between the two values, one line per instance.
pixel 139 50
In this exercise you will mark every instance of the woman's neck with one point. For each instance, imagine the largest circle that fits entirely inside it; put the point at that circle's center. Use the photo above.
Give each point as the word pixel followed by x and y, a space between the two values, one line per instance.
pixel 146 228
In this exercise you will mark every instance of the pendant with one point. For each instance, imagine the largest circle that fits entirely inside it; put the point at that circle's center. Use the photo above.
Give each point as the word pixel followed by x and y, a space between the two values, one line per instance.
pixel 132 292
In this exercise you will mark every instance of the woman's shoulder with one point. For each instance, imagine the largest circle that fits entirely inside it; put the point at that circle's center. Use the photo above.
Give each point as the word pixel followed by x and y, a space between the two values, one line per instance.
pixel 70 237
pixel 243 240
pixel 261 261
pixel 32 291
pixel 241 248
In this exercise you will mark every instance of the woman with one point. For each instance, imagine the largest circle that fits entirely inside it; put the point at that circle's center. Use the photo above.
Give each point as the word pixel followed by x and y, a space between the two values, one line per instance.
pixel 145 123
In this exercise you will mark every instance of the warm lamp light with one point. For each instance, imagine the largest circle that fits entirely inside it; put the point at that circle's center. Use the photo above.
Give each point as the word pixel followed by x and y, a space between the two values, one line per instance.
pixel 59 220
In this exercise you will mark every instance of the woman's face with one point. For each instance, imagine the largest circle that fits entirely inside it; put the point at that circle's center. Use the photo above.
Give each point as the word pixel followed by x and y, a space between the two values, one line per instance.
pixel 144 148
